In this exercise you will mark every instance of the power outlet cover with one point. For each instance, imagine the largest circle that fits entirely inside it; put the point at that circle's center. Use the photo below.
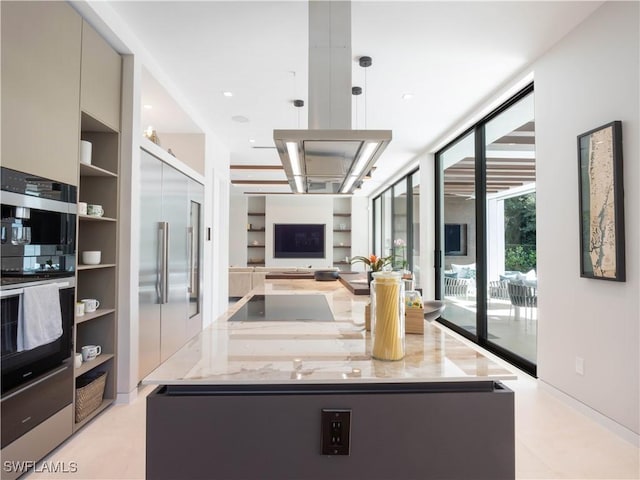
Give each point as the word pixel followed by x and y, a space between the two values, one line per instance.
pixel 336 431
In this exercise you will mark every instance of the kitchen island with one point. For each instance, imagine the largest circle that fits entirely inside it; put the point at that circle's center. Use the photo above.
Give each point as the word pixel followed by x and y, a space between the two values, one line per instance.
pixel 283 386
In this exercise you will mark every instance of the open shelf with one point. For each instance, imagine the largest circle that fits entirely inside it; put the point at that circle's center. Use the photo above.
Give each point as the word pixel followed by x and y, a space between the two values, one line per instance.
pixel 342 246
pixel 95 267
pixel 90 365
pixel 90 316
pixel 255 246
pixel 87 170
pixel 95 218
pixel 256 214
pixel 255 229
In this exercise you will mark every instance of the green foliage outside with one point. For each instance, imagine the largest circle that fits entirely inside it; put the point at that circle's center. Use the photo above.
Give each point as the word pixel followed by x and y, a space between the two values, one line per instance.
pixel 520 232
pixel 520 258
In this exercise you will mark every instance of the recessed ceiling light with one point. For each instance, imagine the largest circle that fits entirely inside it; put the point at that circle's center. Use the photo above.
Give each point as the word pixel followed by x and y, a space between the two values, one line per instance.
pixel 407 96
pixel 240 119
pixel 227 94
pixel 148 106
pixel 252 140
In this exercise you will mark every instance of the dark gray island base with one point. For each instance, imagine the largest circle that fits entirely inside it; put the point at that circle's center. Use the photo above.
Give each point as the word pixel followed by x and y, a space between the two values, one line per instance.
pixel 409 430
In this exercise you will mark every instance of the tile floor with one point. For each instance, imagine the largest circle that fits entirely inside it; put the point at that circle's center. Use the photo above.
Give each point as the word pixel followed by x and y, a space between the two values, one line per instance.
pixel 553 441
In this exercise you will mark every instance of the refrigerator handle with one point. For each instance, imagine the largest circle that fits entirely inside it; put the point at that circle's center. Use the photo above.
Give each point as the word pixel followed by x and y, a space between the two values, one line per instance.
pixel 160 238
pixel 164 263
pixel 190 258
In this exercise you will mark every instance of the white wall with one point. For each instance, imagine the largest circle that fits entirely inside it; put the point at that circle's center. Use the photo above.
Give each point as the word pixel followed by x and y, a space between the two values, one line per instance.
pixel 588 79
pixel 216 261
pixel 427 226
pixel 298 209
pixel 237 229
pixel 360 228
pixel 188 147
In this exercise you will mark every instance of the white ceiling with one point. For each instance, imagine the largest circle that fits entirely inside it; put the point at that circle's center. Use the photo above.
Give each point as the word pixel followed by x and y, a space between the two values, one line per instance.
pixel 450 55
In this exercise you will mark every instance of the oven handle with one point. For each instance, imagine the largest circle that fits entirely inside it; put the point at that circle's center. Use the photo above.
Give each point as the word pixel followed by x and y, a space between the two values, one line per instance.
pixel 14 292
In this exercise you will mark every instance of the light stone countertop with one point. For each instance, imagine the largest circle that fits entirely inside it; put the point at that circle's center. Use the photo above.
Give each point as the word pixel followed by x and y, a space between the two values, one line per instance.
pixel 268 352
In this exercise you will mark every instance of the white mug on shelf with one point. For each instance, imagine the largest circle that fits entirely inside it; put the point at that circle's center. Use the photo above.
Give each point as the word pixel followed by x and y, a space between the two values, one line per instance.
pixel 89 352
pixel 85 152
pixel 79 309
pixel 90 304
pixel 77 360
pixel 82 208
pixel 95 210
pixel 91 257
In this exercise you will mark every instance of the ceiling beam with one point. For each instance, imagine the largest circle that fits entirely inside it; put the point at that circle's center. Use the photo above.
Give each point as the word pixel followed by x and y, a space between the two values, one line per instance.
pixel 260 182
pixel 256 167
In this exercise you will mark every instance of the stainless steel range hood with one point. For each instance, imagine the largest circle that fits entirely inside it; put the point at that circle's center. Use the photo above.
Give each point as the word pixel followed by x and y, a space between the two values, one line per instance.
pixel 330 157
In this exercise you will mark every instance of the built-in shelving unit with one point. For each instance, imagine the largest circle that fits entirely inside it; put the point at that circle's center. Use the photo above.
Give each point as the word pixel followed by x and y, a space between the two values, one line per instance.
pixel 256 231
pixel 99 185
pixel 342 233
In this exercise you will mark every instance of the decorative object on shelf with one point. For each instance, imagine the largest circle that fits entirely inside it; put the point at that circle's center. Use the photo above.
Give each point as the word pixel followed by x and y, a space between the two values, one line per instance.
pixel 152 135
pixel 387 316
pixel 85 152
pixel 602 242
pixel 343 226
pixel 90 352
pixel 90 304
pixel 95 210
pixel 79 309
pixel 77 360
pixel 92 257
pixel 82 208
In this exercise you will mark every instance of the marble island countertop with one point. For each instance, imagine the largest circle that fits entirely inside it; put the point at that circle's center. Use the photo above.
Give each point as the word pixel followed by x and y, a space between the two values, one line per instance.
pixel 280 352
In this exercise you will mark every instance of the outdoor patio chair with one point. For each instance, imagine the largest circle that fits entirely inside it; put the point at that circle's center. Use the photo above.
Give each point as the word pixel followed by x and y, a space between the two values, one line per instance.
pixel 455 287
pixel 499 290
pixel 523 296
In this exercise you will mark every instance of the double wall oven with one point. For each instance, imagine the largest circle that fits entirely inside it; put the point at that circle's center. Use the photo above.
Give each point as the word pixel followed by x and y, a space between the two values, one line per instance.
pixel 37 247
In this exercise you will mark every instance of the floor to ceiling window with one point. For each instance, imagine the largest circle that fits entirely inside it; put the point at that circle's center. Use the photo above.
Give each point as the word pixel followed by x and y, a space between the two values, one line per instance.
pixel 396 221
pixel 486 219
pixel 399 244
pixel 415 233
pixel 458 278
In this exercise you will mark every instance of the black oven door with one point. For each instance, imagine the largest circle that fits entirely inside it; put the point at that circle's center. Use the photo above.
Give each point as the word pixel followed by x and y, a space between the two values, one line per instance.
pixel 21 367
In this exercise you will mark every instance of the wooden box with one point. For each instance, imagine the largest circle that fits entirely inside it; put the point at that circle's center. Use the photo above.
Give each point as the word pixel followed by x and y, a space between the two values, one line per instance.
pixel 413 319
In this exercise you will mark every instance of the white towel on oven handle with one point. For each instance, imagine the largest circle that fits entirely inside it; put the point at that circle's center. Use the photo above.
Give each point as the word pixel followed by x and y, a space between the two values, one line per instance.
pixel 39 317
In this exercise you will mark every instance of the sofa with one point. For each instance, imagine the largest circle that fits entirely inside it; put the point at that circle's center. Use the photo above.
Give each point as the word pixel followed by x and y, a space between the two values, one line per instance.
pixel 460 280
pixel 244 279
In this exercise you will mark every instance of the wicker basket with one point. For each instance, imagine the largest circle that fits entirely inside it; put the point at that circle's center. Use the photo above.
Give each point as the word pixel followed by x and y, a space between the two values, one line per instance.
pixel 89 393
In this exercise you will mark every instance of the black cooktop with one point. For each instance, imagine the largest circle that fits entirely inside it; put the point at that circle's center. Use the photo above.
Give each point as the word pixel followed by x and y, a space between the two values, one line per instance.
pixel 283 308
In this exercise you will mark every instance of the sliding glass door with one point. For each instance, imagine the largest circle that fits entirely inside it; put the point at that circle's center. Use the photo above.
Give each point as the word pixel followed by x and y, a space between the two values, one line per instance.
pixel 486 224
pixel 512 297
pixel 458 233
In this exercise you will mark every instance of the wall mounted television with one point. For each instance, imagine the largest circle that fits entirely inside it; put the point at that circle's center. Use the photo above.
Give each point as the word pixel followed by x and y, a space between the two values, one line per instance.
pixel 298 240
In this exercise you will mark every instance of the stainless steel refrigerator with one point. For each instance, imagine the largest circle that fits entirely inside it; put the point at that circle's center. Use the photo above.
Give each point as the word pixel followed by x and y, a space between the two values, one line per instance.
pixel 170 299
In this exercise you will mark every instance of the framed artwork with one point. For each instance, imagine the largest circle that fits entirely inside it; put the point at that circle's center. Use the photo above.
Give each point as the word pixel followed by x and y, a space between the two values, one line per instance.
pixel 601 203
